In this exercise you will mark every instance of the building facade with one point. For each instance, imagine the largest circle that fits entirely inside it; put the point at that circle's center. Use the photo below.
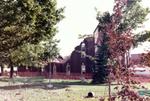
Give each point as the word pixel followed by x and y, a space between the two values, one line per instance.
pixel 82 55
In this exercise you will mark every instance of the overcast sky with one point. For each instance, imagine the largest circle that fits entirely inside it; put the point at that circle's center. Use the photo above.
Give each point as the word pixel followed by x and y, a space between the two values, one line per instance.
pixel 80 18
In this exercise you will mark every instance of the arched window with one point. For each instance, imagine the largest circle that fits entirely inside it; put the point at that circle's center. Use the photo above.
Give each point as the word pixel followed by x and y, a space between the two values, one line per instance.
pixel 82 46
pixel 83 68
pixel 54 68
pixel 82 50
pixel 68 69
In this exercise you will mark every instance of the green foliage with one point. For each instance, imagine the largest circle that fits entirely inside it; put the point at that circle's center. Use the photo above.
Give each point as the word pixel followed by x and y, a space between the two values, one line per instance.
pixel 101 61
pixel 50 51
pixel 102 51
pixel 142 37
pixel 27 54
pixel 133 16
pixel 27 21
pixel 24 24
pixel 35 54
pixel 103 19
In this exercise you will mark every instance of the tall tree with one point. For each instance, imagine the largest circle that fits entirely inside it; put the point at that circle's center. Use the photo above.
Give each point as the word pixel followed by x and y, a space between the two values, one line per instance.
pixel 23 21
pixel 101 61
pixel 127 16
pixel 51 52
pixel 26 21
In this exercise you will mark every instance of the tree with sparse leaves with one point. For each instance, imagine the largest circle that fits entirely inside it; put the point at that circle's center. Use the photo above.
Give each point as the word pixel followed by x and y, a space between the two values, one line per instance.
pixel 125 18
pixel 145 59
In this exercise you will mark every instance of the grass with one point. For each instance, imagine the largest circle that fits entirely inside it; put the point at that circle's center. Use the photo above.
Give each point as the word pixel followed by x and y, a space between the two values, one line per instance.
pixel 35 89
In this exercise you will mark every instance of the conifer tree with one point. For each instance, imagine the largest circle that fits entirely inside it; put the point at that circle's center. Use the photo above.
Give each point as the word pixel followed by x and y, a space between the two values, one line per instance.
pixel 101 61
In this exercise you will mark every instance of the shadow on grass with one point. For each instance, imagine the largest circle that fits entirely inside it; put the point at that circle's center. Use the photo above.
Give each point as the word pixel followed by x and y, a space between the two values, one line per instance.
pixel 32 86
pixel 71 83
pixel 27 83
pixel 4 80
pixel 41 83
pixel 56 85
pixel 22 80
pixel 79 82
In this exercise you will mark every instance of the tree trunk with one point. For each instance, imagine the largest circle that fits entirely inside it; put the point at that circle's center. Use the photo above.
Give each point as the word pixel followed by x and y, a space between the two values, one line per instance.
pixel 109 88
pixel 2 70
pixel 11 70
pixel 50 72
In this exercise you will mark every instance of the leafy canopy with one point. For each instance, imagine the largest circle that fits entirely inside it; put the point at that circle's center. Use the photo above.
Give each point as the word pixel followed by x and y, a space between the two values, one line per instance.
pixel 27 21
pixel 24 25
pixel 35 54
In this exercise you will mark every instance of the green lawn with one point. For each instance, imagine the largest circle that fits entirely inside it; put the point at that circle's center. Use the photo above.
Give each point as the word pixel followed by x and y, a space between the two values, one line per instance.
pixel 34 89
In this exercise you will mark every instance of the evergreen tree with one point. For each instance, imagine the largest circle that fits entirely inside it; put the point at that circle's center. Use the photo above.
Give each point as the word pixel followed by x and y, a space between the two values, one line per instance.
pixel 101 61
pixel 102 50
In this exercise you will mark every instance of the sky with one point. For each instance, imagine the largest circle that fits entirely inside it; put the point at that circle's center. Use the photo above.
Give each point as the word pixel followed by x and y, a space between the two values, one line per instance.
pixel 80 18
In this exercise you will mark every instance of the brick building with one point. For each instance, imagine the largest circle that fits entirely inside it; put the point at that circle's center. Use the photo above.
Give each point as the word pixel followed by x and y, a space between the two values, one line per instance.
pixel 82 55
